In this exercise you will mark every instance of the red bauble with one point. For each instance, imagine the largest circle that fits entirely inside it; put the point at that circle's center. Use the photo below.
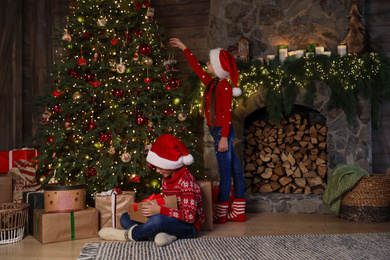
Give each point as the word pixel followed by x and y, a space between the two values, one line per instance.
pixel 144 49
pixel 138 32
pixel 169 111
pixel 141 120
pixel 114 41
pixel 91 172
pixel 147 80
pixel 88 76
pixel 117 93
pixel 74 73
pixel 172 83
pixel 91 125
pixel 135 179
pixel 105 136
pixel 56 108
pixel 151 167
pixel 50 139
pixel 56 93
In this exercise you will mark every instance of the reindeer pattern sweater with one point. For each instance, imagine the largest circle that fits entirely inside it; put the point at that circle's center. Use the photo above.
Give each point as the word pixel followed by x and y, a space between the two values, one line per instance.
pixel 223 96
pixel 189 202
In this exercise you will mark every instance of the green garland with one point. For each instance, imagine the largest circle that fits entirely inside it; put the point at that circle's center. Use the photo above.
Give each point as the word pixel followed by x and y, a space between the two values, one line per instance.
pixel 347 77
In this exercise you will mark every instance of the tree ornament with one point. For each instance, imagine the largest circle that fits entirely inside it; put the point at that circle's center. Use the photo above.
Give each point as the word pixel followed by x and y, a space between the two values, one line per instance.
pixel 154 183
pixel 126 157
pixel 137 32
pixel 105 136
pixel 128 70
pixel 66 36
pixel 112 63
pixel 76 96
pixel 102 22
pixel 176 101
pixel 96 83
pixel 150 14
pixel 147 61
pixel 112 150
pixel 169 111
pixel 173 83
pixel 56 93
pixel 147 80
pixel 121 68
pixel 56 108
pixel 91 172
pixel 68 126
pixel 81 19
pixel 135 179
pixel 95 56
pixel 136 56
pixel 74 73
pixel 182 116
pixel 40 179
pixel 98 145
pixel 151 167
pixel 150 126
pixel 144 49
pixel 69 46
pixel 141 120
pixel 82 61
pixel 89 76
pixel 114 41
pixel 91 125
pixel 45 117
pixel 117 93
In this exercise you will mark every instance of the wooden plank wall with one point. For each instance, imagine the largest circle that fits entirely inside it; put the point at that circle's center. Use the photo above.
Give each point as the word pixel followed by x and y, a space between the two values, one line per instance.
pixel 10 74
pixel 377 17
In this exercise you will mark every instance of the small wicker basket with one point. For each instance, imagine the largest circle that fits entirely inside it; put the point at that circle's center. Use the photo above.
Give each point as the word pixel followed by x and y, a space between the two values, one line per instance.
pixel 12 222
pixel 368 201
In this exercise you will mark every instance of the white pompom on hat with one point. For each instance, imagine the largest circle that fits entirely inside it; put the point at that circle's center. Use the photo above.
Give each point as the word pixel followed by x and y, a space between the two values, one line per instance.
pixel 224 65
pixel 169 153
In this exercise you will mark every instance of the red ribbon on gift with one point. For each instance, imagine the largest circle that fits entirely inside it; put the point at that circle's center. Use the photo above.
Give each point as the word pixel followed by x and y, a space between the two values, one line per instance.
pixel 160 201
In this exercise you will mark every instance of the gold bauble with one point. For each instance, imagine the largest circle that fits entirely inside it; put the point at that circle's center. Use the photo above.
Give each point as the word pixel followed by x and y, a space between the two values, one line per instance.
pixel 76 96
pixel 40 179
pixel 147 61
pixel 98 145
pixel 176 101
pixel 81 19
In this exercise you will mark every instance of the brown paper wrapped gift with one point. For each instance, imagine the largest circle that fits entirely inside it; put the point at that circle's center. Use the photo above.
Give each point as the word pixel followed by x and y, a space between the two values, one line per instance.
pixel 113 205
pixel 5 189
pixel 206 193
pixel 56 227
pixel 135 209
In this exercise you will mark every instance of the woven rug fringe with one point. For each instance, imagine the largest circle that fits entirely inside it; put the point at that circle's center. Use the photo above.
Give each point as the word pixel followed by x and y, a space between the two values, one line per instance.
pixel 89 251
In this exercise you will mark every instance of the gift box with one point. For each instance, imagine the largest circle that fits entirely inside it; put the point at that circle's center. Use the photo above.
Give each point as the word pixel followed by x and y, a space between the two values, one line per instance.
pixel 57 227
pixel 23 176
pixel 68 197
pixel 135 208
pixel 35 201
pixel 111 206
pixel 8 158
pixel 5 189
pixel 207 204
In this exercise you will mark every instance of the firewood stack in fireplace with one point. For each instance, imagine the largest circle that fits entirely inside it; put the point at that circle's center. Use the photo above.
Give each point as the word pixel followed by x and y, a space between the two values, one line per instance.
pixel 287 158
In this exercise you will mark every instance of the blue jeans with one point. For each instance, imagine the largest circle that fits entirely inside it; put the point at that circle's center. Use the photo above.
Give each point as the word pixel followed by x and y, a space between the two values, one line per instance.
pixel 156 224
pixel 228 167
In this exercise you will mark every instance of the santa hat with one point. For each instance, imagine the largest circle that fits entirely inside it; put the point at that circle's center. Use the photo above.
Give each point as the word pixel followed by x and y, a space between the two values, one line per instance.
pixel 224 65
pixel 168 152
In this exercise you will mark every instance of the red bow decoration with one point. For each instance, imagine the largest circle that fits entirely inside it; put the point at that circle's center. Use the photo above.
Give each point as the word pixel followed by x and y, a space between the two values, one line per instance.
pixel 117 190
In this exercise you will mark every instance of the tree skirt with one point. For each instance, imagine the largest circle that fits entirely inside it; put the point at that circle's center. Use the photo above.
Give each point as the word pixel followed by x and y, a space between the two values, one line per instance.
pixel 335 246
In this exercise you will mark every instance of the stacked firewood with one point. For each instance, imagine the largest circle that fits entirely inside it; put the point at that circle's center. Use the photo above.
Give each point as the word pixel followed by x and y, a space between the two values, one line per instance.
pixel 288 158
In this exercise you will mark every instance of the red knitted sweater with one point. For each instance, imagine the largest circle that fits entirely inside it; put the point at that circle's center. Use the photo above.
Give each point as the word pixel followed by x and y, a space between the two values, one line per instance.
pixel 189 202
pixel 223 96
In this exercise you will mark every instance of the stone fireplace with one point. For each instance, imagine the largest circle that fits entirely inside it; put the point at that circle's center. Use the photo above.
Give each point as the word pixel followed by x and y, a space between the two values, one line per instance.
pixel 344 144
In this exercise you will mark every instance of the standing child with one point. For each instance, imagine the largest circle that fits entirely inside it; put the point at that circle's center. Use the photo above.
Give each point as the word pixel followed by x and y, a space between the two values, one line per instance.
pixel 169 155
pixel 217 107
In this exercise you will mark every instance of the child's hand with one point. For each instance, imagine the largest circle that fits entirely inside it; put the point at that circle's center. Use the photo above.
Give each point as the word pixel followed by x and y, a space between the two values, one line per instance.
pixel 223 145
pixel 175 42
pixel 151 209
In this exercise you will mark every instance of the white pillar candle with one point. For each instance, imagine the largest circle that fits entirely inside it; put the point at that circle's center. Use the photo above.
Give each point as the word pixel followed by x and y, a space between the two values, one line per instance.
pixel 269 58
pixel 320 50
pixel 327 53
pixel 342 50
pixel 300 54
pixel 282 54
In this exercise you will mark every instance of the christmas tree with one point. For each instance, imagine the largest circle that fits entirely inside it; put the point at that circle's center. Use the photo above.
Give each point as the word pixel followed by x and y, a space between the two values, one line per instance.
pixel 113 94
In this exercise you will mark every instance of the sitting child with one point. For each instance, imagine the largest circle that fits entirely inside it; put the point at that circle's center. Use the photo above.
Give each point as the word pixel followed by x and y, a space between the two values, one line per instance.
pixel 169 155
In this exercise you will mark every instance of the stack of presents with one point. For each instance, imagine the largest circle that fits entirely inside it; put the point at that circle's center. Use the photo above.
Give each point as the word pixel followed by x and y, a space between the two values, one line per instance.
pixel 59 213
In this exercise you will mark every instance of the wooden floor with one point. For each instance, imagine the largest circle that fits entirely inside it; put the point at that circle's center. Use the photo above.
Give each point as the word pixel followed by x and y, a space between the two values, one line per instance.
pixel 257 224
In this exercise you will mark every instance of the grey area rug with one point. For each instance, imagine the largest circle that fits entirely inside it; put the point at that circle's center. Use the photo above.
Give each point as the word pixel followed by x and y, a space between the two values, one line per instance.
pixel 336 246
